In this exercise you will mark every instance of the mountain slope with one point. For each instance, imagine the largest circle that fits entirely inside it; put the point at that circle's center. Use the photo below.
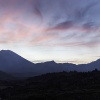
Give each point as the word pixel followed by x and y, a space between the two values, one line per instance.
pixel 5 76
pixel 90 66
pixel 11 62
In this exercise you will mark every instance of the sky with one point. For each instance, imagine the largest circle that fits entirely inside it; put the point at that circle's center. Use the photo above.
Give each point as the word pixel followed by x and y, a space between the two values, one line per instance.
pixel 45 30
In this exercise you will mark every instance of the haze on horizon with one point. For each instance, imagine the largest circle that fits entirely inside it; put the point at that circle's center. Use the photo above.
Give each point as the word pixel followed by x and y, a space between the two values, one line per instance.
pixel 44 30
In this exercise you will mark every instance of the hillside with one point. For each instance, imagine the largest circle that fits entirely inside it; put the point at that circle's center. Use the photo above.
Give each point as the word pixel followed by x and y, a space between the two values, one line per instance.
pixel 59 86
pixel 6 76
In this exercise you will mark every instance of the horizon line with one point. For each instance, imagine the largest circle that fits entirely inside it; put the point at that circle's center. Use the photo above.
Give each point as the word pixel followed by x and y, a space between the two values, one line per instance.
pixel 76 62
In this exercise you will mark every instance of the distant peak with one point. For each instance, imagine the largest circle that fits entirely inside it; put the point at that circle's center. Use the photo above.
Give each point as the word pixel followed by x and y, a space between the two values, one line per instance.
pixel 50 61
pixel 5 50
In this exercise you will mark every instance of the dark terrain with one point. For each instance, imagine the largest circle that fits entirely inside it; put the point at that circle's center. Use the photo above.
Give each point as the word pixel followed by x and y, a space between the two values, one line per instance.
pixel 54 86
pixel 21 79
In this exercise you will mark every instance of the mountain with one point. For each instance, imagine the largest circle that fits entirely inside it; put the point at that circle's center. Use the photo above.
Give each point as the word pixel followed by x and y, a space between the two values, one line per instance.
pixel 11 62
pixel 51 66
pixel 6 76
pixel 90 66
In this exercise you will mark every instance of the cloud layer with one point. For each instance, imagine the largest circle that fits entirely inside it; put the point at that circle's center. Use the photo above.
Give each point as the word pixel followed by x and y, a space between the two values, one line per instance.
pixel 55 23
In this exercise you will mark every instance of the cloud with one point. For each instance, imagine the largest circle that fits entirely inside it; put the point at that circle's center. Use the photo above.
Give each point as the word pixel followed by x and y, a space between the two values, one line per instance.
pixel 44 38
pixel 62 26
pixel 68 25
pixel 59 22
pixel 82 12
pixel 37 9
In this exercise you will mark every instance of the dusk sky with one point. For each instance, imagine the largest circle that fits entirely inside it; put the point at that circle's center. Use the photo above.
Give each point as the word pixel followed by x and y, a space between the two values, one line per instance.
pixel 44 30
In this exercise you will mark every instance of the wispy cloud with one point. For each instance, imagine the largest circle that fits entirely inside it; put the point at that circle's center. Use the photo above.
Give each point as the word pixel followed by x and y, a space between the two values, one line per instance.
pixel 52 23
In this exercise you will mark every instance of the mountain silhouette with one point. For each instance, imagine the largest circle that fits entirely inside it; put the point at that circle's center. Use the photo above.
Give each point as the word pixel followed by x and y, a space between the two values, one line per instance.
pixel 90 66
pixel 6 76
pixel 11 62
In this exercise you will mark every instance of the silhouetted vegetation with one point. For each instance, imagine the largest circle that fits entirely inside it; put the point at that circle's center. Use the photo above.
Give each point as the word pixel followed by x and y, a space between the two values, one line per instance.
pixel 54 86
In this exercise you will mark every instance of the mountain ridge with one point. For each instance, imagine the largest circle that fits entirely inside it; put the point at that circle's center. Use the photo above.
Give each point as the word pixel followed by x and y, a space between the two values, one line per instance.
pixel 11 62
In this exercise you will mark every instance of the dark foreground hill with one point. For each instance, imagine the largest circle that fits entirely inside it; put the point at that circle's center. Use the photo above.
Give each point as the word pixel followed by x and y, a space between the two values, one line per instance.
pixel 55 86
